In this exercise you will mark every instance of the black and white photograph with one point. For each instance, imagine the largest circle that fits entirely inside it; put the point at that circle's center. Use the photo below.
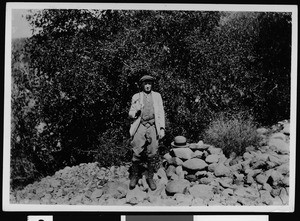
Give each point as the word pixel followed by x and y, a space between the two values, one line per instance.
pixel 149 107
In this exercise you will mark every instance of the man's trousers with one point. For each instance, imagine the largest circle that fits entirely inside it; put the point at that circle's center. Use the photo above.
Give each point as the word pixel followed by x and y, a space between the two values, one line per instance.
pixel 145 139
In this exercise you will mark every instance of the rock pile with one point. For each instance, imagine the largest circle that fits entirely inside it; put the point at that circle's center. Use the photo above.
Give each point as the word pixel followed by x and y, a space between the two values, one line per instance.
pixel 198 175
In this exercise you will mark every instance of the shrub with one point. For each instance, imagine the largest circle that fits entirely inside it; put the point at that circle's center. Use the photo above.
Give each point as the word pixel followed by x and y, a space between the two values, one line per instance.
pixel 232 132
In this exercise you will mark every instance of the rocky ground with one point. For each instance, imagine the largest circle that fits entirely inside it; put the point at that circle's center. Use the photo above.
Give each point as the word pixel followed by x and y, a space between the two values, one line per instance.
pixel 197 176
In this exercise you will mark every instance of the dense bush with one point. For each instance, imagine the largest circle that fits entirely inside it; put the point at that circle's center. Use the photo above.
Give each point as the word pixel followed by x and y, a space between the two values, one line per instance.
pixel 73 80
pixel 232 133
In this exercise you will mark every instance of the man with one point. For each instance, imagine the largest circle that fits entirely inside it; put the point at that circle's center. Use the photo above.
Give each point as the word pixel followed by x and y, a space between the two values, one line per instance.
pixel 146 130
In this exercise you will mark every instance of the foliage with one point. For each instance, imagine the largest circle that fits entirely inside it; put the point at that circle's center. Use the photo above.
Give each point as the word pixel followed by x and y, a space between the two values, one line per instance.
pixel 73 80
pixel 232 133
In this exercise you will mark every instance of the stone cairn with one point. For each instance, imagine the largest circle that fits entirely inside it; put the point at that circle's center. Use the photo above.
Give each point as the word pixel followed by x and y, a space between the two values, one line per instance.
pixel 198 175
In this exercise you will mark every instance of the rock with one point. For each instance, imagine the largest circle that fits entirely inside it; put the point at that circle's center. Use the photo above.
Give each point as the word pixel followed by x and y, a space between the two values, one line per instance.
pixel 247 156
pixel 191 177
pixel 174 176
pixel 182 199
pixel 215 150
pixel 167 156
pixel 248 192
pixel 202 191
pixel 283 169
pixel 267 187
pixel 279 146
pixel 222 170
pixel 198 202
pixel 262 130
pixel 286 182
pixel 258 164
pixel 178 170
pixel 226 183
pixel 200 146
pixel 284 196
pixel 96 194
pixel 183 153
pixel 54 183
pixel 214 158
pixel 195 146
pixel 212 167
pixel 262 178
pixel 197 154
pixel 135 196
pixel 171 170
pixel 195 164
pixel 115 189
pixel 266 197
pixel 227 192
pixel 162 181
pixel 278 135
pixel 201 173
pixel 176 161
pixel 286 129
pixel 275 178
pixel 177 186
pixel 161 173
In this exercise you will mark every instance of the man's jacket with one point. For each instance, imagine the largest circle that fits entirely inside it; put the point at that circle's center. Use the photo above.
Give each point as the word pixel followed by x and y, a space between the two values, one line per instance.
pixel 159 113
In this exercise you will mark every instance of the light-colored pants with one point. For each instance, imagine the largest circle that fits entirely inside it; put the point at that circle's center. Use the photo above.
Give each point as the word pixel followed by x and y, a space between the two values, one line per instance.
pixel 145 137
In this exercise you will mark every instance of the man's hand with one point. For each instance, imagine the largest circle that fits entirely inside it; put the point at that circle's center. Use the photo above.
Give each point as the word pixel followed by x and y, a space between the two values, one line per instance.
pixel 139 108
pixel 161 133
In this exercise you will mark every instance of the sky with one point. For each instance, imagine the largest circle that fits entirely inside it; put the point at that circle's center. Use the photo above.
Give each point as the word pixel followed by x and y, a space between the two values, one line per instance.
pixel 20 26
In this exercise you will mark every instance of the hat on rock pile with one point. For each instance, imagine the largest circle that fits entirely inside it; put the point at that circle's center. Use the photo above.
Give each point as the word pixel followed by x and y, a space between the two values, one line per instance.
pixel 180 142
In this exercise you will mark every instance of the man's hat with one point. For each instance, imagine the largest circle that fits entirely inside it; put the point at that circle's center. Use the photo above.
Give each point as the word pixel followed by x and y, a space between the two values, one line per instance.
pixel 146 78
pixel 180 141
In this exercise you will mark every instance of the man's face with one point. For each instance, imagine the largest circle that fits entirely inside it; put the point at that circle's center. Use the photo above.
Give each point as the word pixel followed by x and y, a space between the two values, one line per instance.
pixel 147 86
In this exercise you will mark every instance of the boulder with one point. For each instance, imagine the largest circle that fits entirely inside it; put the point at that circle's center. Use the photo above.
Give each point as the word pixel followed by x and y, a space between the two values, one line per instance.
pixel 195 164
pixel 202 191
pixel 177 186
pixel 214 150
pixel 222 170
pixel 214 158
pixel 183 153
pixel 279 146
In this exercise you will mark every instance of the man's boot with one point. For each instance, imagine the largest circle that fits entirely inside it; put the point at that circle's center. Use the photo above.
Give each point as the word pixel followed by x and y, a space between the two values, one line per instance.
pixel 150 181
pixel 135 175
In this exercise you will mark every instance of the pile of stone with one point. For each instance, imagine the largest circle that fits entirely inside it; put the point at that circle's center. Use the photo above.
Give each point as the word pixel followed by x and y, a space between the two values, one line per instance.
pixel 259 177
pixel 198 174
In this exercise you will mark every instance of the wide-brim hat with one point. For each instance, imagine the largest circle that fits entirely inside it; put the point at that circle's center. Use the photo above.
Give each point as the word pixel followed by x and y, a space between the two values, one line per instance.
pixel 146 78
pixel 180 142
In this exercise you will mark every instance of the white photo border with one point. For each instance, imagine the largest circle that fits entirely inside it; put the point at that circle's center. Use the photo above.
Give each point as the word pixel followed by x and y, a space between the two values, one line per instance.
pixel 7 206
